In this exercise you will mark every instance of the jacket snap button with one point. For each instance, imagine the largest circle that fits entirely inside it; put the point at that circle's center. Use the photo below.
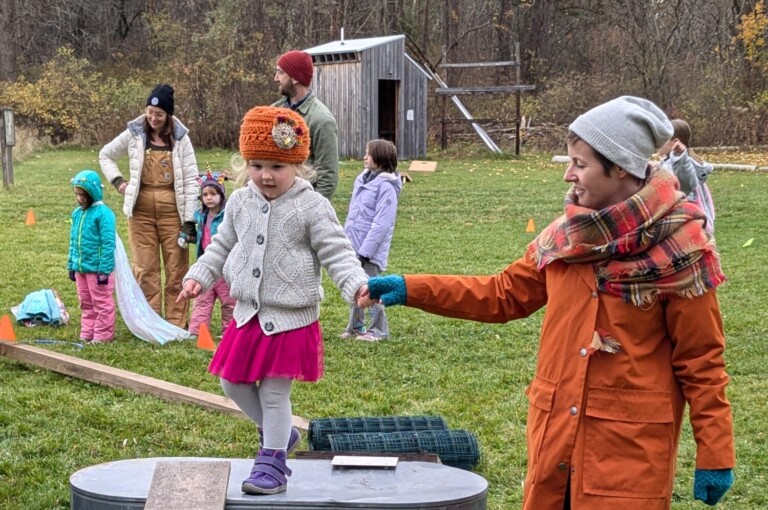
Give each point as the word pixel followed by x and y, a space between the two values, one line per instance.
pixel 256 272
pixel 562 466
pixel 582 351
pixel 594 294
pixel 259 239
pixel 269 326
pixel 574 411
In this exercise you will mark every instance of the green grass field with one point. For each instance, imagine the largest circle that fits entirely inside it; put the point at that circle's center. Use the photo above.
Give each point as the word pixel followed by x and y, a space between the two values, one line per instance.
pixel 469 217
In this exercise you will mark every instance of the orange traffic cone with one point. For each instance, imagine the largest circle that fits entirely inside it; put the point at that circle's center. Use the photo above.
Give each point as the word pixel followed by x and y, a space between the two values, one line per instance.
pixel 204 340
pixel 530 227
pixel 30 217
pixel 6 329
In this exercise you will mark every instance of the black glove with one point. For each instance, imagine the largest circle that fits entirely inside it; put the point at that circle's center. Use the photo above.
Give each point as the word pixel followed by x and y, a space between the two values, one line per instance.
pixel 117 182
pixel 72 276
pixel 190 231
pixel 363 260
pixel 102 279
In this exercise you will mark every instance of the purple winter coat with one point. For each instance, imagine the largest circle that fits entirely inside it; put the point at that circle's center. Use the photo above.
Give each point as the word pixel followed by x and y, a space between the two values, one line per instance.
pixel 372 212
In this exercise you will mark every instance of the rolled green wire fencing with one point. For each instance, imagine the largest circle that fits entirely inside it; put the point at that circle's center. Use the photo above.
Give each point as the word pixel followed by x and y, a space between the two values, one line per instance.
pixel 456 448
pixel 321 428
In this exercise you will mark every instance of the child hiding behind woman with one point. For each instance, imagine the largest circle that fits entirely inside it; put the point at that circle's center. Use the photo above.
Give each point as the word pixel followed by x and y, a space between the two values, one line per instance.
pixel 208 218
pixel 691 171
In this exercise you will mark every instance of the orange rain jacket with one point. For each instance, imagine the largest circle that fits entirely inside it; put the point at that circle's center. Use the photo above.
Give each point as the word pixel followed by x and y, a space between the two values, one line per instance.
pixel 610 421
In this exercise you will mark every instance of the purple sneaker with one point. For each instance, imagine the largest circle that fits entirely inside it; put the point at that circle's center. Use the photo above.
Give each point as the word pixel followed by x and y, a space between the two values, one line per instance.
pixel 269 474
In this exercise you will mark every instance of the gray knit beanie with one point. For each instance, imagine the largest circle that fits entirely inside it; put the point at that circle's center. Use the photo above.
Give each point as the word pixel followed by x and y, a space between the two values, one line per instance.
pixel 626 130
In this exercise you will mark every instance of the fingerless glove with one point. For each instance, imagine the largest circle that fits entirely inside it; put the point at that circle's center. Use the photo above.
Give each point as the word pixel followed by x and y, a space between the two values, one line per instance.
pixel 389 289
pixel 710 485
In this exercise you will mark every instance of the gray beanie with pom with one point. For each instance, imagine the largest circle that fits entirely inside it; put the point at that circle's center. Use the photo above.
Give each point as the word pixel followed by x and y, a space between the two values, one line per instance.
pixel 626 130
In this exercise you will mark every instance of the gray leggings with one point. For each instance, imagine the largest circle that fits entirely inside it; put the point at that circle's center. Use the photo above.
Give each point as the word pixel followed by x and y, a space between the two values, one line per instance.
pixel 268 404
pixel 378 317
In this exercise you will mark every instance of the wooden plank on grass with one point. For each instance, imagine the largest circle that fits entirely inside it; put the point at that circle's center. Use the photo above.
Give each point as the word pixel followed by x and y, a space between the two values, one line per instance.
pixel 188 485
pixel 422 166
pixel 118 378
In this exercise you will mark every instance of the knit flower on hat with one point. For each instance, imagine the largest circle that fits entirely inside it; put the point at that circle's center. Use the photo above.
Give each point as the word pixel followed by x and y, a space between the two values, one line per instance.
pixel 286 133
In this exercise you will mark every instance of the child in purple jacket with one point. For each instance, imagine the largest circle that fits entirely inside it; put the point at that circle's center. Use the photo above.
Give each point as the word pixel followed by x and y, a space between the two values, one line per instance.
pixel 369 226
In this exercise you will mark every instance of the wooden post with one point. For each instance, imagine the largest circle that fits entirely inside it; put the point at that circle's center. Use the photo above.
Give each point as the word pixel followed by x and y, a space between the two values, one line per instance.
pixel 6 154
pixel 517 100
pixel 444 102
pixel 443 122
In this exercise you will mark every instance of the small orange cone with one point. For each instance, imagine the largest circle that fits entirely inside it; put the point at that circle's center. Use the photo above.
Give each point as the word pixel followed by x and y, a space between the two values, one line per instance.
pixel 6 329
pixel 30 217
pixel 531 227
pixel 204 340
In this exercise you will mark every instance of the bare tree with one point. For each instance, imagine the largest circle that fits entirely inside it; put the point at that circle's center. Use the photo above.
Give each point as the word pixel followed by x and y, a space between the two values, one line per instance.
pixel 8 69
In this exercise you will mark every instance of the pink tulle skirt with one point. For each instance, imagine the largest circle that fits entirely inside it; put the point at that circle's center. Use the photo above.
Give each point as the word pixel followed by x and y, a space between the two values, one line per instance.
pixel 247 355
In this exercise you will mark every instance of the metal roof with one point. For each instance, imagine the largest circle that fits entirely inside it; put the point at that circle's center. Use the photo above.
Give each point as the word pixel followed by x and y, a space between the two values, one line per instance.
pixel 350 45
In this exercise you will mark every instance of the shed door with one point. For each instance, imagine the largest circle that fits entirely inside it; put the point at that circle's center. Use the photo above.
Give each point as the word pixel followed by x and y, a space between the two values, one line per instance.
pixel 388 93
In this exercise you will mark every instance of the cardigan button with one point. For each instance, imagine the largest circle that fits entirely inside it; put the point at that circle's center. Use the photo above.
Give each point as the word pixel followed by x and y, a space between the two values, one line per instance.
pixel 574 411
pixel 562 466
pixel 594 294
pixel 265 208
pixel 259 239
pixel 582 352
pixel 256 272
pixel 269 326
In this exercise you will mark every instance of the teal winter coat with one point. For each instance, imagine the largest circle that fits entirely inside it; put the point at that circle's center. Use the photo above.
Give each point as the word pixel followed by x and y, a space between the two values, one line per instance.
pixel 92 237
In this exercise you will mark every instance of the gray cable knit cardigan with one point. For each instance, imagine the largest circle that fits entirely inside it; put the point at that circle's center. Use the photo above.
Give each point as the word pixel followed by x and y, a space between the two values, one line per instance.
pixel 270 254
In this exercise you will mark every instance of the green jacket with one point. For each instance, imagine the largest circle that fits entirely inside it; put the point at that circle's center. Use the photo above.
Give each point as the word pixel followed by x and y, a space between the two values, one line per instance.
pixel 92 235
pixel 324 142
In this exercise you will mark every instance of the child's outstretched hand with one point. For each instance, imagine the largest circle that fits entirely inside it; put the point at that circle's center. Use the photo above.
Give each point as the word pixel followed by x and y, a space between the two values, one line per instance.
pixel 190 289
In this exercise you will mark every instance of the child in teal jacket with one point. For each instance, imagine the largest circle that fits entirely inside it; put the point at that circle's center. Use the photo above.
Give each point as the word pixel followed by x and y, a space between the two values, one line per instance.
pixel 92 258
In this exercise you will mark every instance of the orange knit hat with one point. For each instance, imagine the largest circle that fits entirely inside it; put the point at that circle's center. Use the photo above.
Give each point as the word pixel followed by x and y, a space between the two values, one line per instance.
pixel 274 134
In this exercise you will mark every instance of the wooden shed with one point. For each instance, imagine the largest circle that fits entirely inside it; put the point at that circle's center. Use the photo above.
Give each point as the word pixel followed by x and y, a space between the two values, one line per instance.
pixel 374 90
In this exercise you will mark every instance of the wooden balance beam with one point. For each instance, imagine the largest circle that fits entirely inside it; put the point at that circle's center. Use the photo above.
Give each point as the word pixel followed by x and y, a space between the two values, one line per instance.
pixel 118 378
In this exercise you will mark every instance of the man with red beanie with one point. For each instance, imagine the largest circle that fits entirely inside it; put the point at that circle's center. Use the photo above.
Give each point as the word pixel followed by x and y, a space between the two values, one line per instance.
pixel 294 76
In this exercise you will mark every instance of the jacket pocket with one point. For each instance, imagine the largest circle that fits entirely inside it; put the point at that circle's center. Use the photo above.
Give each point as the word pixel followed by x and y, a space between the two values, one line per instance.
pixel 629 438
pixel 541 394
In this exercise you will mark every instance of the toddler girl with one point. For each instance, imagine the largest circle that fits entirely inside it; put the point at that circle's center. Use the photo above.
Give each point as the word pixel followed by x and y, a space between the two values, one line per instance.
pixel 92 258
pixel 208 218
pixel 276 235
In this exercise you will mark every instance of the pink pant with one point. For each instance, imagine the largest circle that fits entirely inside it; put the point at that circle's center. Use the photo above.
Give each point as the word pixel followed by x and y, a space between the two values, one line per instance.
pixel 97 307
pixel 203 308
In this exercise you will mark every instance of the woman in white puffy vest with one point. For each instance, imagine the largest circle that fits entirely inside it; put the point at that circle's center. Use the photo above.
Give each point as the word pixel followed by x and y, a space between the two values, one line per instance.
pixel 160 198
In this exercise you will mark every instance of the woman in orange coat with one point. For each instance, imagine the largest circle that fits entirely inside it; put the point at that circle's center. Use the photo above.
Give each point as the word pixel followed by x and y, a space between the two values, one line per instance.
pixel 632 329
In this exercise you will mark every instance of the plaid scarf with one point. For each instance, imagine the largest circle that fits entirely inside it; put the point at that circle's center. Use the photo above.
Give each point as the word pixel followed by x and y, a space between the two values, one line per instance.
pixel 651 245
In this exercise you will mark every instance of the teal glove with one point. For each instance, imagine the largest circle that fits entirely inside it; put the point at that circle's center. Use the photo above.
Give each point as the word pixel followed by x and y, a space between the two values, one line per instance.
pixel 389 289
pixel 709 485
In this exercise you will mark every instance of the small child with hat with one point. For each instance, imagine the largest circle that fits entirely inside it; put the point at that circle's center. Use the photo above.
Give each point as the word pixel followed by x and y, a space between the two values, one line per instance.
pixel 208 218
pixel 276 235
